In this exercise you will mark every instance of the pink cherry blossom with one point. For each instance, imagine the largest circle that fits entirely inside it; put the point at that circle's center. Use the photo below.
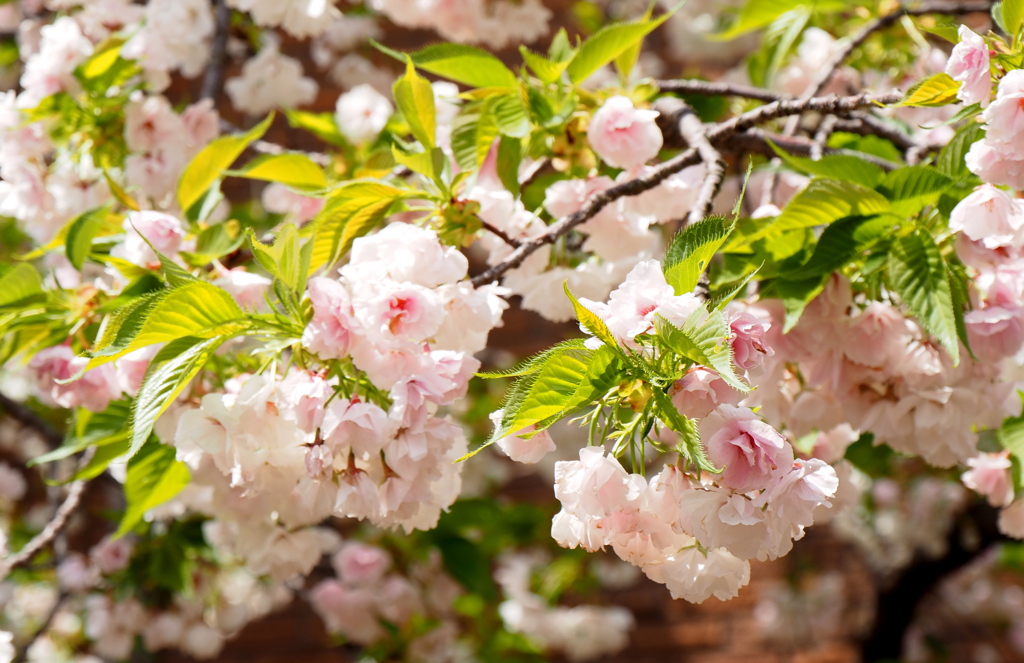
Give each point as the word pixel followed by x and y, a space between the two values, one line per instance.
pixel 990 216
pixel 144 229
pixel 700 391
pixel 749 347
pixel 623 136
pixel 332 331
pixel 111 555
pixel 990 476
pixel 523 450
pixel 360 564
pixel 1004 118
pixel 749 450
pixel 969 64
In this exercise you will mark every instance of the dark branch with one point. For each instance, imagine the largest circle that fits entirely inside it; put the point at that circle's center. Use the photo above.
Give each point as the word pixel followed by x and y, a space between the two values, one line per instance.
pixel 213 79
pixel 501 234
pixel 719 89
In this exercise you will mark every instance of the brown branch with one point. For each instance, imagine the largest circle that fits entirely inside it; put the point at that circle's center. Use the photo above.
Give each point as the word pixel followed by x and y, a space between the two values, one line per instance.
pixel 714 133
pixel 213 78
pixel 501 234
pixel 690 86
pixel 693 132
pixel 880 23
pixel 821 136
pixel 54 527
pixel 21 655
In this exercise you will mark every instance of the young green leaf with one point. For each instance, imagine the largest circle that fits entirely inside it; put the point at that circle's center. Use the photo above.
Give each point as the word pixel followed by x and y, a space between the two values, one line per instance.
pixel 689 437
pixel 321 125
pixel 590 320
pixel 691 251
pixel 704 339
pixel 213 160
pixel 913 182
pixel 342 221
pixel 153 477
pixel 169 373
pixel 415 99
pixel 20 284
pixel 843 167
pixel 607 44
pixel 918 274
pixel 292 169
pixel 937 90
pixel 460 63
pixel 951 161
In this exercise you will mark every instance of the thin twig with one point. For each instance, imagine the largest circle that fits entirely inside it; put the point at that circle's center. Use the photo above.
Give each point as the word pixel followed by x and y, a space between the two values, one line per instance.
pixel 213 79
pixel 825 129
pixel 757 141
pixel 690 157
pixel 691 86
pixel 54 527
pixel 28 418
pixel 501 234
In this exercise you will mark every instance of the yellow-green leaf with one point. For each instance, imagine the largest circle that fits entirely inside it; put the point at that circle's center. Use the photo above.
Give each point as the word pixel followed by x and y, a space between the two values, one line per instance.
pixel 213 160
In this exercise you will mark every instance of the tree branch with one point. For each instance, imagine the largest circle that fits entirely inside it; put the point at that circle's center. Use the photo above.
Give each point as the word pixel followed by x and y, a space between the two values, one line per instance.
pixel 54 527
pixel 501 234
pixel 714 134
pixel 693 132
pixel 213 79
pixel 690 86
pixel 21 655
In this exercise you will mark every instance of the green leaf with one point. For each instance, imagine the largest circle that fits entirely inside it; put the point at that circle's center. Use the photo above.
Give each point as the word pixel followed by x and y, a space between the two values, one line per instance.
pixel 415 99
pixel 20 284
pixel 691 251
pixel 169 373
pixel 951 160
pixel 215 242
pixel 757 14
pixel 196 308
pixel 937 90
pixel 704 339
pixel 795 296
pixel 473 133
pixel 321 125
pixel 510 155
pixel 607 44
pixel 292 169
pixel 213 160
pixel 153 477
pixel 344 219
pixel 690 445
pixel 821 202
pixel 546 70
pixel 533 364
pixel 947 31
pixel 430 163
pixel 283 259
pixel 590 320
pixel 1013 15
pixel 840 243
pixel 82 231
pixel 913 182
pixel 918 274
pixel 119 194
pixel 510 115
pixel 842 167
pixel 460 63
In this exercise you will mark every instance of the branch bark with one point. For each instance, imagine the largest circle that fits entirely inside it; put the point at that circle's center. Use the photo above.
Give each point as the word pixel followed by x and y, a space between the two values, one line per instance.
pixel 714 133
pixel 213 79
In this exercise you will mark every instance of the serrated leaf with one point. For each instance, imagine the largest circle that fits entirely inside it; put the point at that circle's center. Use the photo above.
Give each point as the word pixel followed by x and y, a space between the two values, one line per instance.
pixel 691 251
pixel 546 70
pixel 460 63
pixel 918 274
pixel 473 134
pixel 951 160
pixel 153 478
pixel 689 436
pixel 215 242
pixel 415 99
pixel 704 339
pixel 757 14
pixel 533 364
pixel 840 243
pixel 937 90
pixel 341 222
pixel 169 373
pixel 197 309
pixel 213 160
pixel 607 44
pixel 820 203
pixel 843 167
pixel 913 182
pixel 510 115
pixel 1013 14
pixel 590 320
pixel 292 169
